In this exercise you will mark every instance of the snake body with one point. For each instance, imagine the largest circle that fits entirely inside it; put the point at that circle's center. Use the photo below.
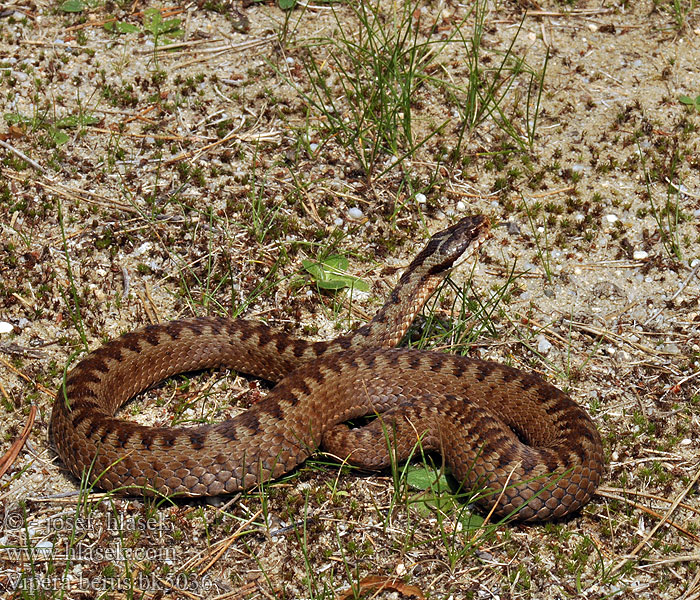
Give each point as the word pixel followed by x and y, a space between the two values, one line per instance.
pixel 533 450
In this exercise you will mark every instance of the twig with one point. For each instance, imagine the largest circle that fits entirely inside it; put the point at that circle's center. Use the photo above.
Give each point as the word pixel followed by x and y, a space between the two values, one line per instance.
pixel 23 156
pixel 617 338
pixel 11 455
pixel 608 490
pixel 650 512
pixel 40 387
pixel 225 544
pixel 656 527
pixel 676 387
pixel 180 45
pixel 571 188
pixel 223 49
pixel 683 285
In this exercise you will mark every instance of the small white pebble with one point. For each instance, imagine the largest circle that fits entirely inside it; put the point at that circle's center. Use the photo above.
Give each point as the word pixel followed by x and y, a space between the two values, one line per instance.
pixel 686 442
pixel 610 218
pixel 355 213
pixel 640 255
pixel 543 345
pixel 421 198
pixel 43 548
pixel 338 222
pixel 145 247
pixel 5 327
pixel 694 263
pixel 461 207
pixel 290 60
pixel 313 146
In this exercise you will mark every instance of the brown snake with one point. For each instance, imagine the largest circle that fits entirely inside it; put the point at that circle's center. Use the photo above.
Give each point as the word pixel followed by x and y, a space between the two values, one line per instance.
pixel 526 442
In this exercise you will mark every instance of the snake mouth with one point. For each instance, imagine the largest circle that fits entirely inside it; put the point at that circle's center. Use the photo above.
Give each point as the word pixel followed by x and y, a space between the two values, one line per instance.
pixel 480 232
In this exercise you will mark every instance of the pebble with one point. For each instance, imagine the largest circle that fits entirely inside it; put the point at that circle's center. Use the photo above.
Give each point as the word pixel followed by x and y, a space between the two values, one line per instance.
pixel 622 356
pixel 461 207
pixel 43 548
pixel 640 255
pixel 145 247
pixel 543 345
pixel 5 327
pixel 421 198
pixel 611 218
pixel 355 213
pixel 338 222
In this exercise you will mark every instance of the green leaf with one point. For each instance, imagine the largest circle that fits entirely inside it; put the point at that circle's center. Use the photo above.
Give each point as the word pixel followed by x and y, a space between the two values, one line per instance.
pixel 73 6
pixel 688 101
pixel 423 478
pixel 16 118
pixel 287 4
pixel 470 520
pixel 120 27
pixel 72 121
pixel 331 274
pixel 153 22
pixel 59 138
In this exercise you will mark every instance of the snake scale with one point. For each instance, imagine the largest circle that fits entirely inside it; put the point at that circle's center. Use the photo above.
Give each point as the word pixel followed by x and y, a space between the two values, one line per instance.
pixel 537 454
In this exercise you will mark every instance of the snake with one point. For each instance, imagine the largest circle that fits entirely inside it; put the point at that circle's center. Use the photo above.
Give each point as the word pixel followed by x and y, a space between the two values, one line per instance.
pixel 529 450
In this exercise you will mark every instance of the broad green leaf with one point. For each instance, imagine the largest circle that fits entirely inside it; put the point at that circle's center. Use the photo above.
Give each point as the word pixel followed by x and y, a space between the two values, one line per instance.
pixel 73 6
pixel 331 274
pixel 16 118
pixel 287 4
pixel 688 101
pixel 59 138
pixel 470 520
pixel 120 27
pixel 73 121
pixel 423 478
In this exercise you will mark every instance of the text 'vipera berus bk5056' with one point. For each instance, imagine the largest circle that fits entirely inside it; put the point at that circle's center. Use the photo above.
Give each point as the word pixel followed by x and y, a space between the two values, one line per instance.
pixel 497 427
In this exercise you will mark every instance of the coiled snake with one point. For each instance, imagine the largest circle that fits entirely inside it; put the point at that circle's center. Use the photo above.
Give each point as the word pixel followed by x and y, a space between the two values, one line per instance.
pixel 507 431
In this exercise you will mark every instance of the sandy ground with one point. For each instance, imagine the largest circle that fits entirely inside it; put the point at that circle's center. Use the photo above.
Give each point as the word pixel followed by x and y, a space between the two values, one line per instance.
pixel 139 186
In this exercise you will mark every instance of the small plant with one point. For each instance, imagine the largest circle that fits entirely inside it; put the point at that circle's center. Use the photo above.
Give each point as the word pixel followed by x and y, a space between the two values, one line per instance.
pixel 331 274
pixel 541 242
pixel 667 218
pixel 158 27
pixel 55 134
pixel 688 101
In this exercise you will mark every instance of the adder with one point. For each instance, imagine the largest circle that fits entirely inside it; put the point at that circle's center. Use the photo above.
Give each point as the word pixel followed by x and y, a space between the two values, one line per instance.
pixel 533 452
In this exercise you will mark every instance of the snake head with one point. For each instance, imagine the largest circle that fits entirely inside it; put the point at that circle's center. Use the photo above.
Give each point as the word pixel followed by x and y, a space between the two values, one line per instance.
pixel 452 246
